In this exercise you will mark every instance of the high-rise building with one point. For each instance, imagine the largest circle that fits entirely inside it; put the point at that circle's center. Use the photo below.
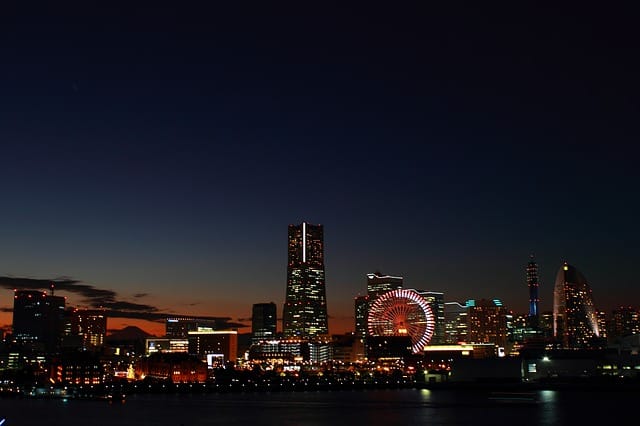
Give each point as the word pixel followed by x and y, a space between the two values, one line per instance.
pixel 38 320
pixel 625 320
pixel 436 301
pixel 361 305
pixel 455 319
pixel 305 306
pixel 533 283
pixel 91 326
pixel 575 323
pixel 264 322
pixel 487 322
pixel 378 284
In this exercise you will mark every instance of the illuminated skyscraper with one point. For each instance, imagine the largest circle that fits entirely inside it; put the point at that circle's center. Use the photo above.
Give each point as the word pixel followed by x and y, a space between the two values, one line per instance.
pixel 91 325
pixel 533 284
pixel 378 284
pixel 487 322
pixel 436 301
pixel 305 306
pixel 455 315
pixel 38 320
pixel 264 322
pixel 361 305
pixel 575 324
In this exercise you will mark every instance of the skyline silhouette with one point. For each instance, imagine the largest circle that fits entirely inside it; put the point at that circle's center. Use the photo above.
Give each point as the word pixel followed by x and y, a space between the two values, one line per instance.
pixel 159 153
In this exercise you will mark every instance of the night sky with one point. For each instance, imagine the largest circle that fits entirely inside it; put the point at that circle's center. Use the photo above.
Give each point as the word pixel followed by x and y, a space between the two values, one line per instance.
pixel 154 155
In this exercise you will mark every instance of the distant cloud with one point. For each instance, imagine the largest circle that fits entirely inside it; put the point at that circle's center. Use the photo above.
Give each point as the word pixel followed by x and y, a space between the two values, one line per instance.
pixel 101 298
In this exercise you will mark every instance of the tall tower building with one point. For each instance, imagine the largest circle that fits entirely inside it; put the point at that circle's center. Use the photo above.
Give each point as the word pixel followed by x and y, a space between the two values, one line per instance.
pixel 38 320
pixel 305 306
pixel 264 322
pixel 361 305
pixel 575 324
pixel 534 301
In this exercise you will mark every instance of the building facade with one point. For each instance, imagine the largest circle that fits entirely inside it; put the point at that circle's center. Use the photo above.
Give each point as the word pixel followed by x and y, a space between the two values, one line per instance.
pixel 264 322
pixel 305 307
pixel 436 301
pixel 575 323
pixel 38 320
pixel 533 283
pixel 487 322
pixel 91 326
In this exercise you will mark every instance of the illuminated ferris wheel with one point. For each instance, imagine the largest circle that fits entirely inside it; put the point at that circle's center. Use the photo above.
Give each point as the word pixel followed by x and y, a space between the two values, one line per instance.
pixel 402 312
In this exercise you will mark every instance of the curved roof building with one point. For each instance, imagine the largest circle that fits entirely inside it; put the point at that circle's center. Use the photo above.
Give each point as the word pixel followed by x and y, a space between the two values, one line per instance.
pixel 574 316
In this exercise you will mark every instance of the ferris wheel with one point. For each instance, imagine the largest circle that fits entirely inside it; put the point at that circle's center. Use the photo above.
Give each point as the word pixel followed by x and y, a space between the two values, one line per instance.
pixel 402 312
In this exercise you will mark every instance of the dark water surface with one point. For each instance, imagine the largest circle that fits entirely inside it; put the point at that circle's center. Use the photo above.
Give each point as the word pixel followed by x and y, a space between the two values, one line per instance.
pixel 370 408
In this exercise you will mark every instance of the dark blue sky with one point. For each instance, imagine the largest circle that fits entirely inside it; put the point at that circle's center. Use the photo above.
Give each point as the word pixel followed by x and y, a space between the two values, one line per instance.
pixel 163 150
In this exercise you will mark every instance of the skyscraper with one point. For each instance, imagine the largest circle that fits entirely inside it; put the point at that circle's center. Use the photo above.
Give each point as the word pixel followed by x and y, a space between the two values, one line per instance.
pixel 91 325
pixel 264 322
pixel 575 324
pixel 378 284
pixel 533 284
pixel 38 320
pixel 487 322
pixel 305 306
pixel 436 301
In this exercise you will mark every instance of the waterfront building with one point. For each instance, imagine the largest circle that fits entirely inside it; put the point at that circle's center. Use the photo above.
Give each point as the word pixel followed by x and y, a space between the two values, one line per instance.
pixel 377 284
pixel 77 368
pixel 292 351
pixel 38 320
pixel 305 307
pixel 361 305
pixel 164 345
pixel 533 283
pixel 216 346
pixel 575 324
pixel 91 326
pixel 179 327
pixel 436 302
pixel 625 321
pixel 487 322
pixel 175 367
pixel 264 321
pixel 455 322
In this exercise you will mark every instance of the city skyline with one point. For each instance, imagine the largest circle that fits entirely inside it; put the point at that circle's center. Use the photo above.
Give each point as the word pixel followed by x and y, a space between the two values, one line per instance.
pixel 153 156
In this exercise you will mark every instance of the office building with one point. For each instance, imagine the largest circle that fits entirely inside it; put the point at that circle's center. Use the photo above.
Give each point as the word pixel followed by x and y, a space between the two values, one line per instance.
pixel 575 323
pixel 377 283
pixel 91 326
pixel 533 283
pixel 179 327
pixel 625 321
pixel 305 307
pixel 38 320
pixel 216 347
pixel 487 322
pixel 436 302
pixel 455 320
pixel 264 322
